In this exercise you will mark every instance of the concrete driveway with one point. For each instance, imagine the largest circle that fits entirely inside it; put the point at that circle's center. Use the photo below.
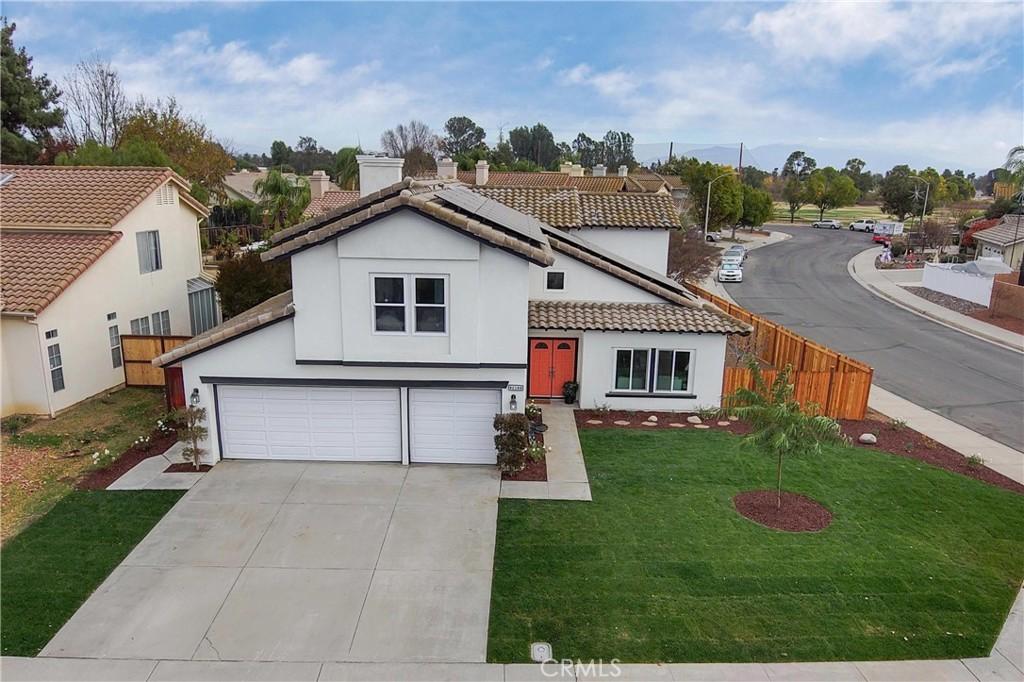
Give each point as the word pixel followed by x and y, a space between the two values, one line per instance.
pixel 297 561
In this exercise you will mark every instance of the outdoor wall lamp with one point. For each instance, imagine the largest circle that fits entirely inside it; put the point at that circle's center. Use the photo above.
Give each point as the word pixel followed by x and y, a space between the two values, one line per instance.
pixel 194 399
pixel 513 403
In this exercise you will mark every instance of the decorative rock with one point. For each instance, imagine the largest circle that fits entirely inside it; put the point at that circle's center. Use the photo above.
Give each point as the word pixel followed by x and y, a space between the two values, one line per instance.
pixel 652 418
pixel 733 418
pixel 678 426
pixel 621 422
pixel 650 423
pixel 594 421
pixel 693 419
pixel 701 426
pixel 725 423
pixel 867 439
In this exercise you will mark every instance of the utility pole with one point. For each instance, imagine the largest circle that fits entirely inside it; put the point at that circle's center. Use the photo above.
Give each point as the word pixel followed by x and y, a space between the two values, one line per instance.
pixel 670 151
pixel 740 168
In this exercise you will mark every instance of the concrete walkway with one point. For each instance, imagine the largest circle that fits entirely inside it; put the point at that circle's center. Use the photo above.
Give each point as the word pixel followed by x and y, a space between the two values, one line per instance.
pixel 889 284
pixel 567 473
pixel 149 474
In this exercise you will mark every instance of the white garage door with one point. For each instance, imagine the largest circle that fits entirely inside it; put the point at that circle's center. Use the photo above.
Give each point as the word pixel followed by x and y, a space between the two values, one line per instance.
pixel 453 426
pixel 298 422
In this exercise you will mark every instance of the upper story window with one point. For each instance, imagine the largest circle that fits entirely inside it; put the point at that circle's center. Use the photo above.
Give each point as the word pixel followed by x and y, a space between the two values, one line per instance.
pixel 51 333
pixel 165 195
pixel 161 323
pixel 416 303
pixel 148 244
pixel 140 326
pixel 554 281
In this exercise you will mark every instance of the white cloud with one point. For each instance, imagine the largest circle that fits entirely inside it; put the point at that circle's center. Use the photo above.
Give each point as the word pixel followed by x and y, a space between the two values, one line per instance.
pixel 929 73
pixel 613 83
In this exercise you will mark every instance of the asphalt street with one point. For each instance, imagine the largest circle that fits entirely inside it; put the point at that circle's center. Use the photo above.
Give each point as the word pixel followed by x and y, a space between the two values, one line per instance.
pixel 803 284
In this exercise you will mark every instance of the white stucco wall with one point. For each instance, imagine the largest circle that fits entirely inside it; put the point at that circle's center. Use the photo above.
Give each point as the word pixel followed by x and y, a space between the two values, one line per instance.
pixel 270 353
pixel 23 389
pixel 332 289
pixel 113 284
pixel 585 283
pixel 597 369
pixel 648 247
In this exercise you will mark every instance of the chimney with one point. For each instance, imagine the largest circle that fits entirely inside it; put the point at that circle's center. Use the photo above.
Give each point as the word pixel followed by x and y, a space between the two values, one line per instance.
pixel 318 184
pixel 483 173
pixel 447 169
pixel 599 170
pixel 377 172
pixel 623 171
pixel 565 167
pixel 577 171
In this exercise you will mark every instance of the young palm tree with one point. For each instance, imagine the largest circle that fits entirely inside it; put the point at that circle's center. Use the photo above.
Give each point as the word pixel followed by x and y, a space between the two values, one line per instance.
pixel 1015 160
pixel 781 426
pixel 346 168
pixel 282 199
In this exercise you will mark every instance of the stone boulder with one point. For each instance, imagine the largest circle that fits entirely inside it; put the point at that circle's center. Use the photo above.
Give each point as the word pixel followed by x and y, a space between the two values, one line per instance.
pixel 694 419
pixel 867 439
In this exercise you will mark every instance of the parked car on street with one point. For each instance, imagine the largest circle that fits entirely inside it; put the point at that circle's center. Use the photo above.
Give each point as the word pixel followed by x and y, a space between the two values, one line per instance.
pixel 730 272
pixel 714 236
pixel 863 225
pixel 732 259
pixel 826 224
pixel 737 250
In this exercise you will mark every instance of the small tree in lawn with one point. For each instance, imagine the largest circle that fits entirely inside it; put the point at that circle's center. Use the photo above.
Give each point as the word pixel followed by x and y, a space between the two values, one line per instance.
pixel 192 432
pixel 781 427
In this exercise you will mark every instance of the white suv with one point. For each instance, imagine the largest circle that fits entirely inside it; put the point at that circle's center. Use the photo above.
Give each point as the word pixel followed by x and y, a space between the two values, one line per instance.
pixel 863 225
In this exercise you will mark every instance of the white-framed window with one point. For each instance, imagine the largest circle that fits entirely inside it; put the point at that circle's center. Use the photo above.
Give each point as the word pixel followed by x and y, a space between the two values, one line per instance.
pixel 410 303
pixel 115 345
pixel 51 333
pixel 161 323
pixel 140 326
pixel 631 368
pixel 554 280
pixel 165 195
pixel 431 305
pixel 672 371
pixel 56 367
pixel 111 317
pixel 148 244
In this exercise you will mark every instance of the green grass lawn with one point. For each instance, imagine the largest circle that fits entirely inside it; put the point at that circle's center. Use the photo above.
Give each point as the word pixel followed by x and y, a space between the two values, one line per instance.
pixel 51 567
pixel 846 214
pixel 918 562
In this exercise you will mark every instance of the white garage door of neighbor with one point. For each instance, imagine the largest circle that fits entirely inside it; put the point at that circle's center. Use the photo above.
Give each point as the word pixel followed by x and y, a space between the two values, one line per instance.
pixel 300 422
pixel 454 426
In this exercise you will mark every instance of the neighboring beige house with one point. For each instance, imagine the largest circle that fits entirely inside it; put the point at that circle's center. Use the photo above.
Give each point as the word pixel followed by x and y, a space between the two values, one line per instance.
pixel 88 254
pixel 1005 240
pixel 240 184
pixel 331 200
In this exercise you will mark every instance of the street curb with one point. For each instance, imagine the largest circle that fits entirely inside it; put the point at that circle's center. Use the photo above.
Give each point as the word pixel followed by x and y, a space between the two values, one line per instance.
pixel 852 271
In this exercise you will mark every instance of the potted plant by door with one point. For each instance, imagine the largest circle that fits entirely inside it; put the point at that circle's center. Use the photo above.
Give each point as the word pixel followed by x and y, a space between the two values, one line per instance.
pixel 570 390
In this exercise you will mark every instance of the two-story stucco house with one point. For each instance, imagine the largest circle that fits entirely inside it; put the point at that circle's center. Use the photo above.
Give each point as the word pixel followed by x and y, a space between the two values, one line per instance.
pixel 88 254
pixel 424 308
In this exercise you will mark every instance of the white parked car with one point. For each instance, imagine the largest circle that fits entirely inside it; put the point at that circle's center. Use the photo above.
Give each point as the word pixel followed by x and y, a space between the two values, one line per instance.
pixel 730 272
pixel 826 224
pixel 732 259
pixel 863 225
pixel 736 250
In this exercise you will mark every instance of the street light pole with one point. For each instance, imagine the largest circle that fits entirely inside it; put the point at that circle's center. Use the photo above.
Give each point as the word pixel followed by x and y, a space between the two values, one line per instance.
pixel 707 206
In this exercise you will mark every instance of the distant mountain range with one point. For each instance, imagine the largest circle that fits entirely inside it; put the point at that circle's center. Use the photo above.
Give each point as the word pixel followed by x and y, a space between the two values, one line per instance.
pixel 770 156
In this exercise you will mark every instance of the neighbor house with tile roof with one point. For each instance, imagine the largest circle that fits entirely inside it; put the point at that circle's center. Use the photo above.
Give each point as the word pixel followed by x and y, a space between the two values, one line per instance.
pixel 88 254
pixel 424 308
pixel 1004 239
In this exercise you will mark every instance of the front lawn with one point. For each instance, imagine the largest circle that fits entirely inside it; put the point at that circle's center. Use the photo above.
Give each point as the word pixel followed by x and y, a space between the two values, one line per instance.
pixel 42 461
pixel 918 562
pixel 51 567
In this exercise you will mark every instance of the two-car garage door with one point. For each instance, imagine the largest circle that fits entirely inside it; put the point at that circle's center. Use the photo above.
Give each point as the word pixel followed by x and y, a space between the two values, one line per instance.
pixel 357 424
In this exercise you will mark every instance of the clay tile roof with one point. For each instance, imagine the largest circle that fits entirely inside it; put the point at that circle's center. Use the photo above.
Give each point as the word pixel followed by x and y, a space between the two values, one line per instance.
pixel 1009 230
pixel 331 200
pixel 589 183
pixel 273 309
pixel 81 196
pixel 631 317
pixel 35 267
pixel 558 207
pixel 629 210
pixel 517 179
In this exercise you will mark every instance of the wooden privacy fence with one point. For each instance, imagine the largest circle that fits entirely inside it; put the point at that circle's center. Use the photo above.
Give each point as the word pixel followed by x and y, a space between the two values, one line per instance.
pixel 837 383
pixel 138 352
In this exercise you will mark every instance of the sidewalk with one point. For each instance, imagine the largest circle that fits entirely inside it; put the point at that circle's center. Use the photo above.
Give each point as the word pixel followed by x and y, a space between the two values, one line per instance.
pixel 889 285
pixel 567 473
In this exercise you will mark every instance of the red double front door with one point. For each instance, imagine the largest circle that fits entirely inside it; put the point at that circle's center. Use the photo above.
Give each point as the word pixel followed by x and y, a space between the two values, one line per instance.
pixel 552 363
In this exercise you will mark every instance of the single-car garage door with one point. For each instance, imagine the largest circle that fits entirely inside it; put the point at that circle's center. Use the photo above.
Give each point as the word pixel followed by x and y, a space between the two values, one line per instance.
pixel 299 422
pixel 454 426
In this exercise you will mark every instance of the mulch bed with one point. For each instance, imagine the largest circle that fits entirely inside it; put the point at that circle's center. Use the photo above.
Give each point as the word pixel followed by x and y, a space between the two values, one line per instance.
pixel 797 514
pixel 1010 324
pixel 906 442
pixel 639 420
pixel 187 468
pixel 957 305
pixel 159 443
pixel 535 470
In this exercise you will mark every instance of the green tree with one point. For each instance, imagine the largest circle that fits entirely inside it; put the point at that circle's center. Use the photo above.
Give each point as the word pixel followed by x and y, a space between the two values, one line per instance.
pixel 863 180
pixel 461 135
pixel 128 153
pixel 280 154
pixel 282 198
pixel 798 164
pixel 827 189
pixel 757 207
pixel 29 111
pixel 781 426
pixel 536 144
pixel 192 432
pixel 501 157
pixel 754 177
pixel 247 281
pixel 897 192
pixel 794 193
pixel 346 167
pixel 726 204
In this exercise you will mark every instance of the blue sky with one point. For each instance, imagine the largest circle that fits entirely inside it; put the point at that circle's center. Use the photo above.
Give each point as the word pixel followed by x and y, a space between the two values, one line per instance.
pixel 925 83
